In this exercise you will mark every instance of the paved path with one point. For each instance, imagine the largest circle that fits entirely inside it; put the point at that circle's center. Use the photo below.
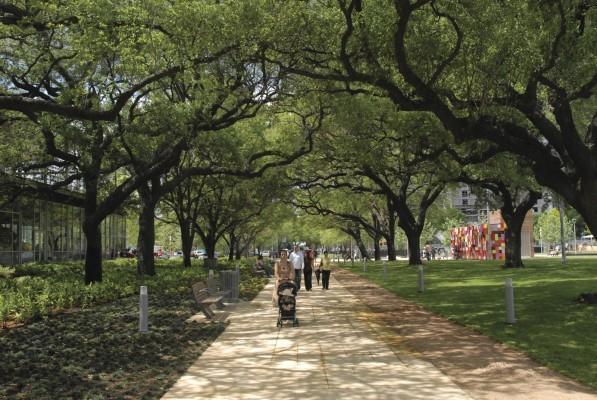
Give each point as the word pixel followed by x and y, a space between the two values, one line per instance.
pixel 335 353
pixel 484 368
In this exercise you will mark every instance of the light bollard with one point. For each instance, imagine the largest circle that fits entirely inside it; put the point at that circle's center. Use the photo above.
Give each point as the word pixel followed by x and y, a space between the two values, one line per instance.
pixel 421 279
pixel 510 316
pixel 143 310
pixel 385 271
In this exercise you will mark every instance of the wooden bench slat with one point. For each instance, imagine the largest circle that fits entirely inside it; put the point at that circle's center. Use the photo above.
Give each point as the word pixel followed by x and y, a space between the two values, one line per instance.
pixel 204 299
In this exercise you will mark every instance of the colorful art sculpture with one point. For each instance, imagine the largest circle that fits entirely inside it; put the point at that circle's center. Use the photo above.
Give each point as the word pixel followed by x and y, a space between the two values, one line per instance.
pixel 469 242
pixel 498 242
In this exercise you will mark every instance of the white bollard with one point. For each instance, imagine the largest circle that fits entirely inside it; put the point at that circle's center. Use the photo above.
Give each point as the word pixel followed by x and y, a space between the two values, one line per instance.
pixel 143 310
pixel 510 316
pixel 421 279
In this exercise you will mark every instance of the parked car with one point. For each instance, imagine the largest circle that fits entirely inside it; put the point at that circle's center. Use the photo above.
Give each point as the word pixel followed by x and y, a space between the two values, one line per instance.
pixel 129 252
pixel 198 253
pixel 265 253
pixel 176 254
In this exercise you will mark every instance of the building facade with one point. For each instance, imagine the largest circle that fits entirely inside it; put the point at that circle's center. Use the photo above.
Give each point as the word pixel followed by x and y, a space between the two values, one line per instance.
pixel 33 229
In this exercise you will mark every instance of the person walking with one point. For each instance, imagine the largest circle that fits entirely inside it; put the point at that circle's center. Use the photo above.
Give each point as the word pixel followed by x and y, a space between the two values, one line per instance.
pixel 297 259
pixel 308 270
pixel 326 270
pixel 316 267
pixel 283 271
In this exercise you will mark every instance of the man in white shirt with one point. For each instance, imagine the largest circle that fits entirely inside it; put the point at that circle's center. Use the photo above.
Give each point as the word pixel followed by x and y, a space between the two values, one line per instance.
pixel 297 260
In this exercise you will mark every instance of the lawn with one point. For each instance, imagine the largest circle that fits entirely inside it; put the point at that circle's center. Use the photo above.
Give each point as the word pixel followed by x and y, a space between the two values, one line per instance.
pixel 92 350
pixel 551 327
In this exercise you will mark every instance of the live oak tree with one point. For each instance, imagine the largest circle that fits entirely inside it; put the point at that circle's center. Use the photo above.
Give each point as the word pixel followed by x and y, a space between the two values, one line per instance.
pixel 84 76
pixel 525 81
pixel 232 176
pixel 513 191
pixel 398 156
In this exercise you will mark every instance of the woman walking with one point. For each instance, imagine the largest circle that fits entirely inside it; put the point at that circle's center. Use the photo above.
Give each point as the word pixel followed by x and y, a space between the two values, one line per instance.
pixel 308 270
pixel 326 270
pixel 283 271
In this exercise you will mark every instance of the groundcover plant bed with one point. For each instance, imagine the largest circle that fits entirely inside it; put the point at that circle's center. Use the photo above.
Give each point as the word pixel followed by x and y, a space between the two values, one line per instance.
pixel 97 353
pixel 32 291
pixel 551 327
pixel 81 342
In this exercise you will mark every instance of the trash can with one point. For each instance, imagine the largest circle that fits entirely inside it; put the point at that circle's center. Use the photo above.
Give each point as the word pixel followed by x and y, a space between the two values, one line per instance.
pixel 229 280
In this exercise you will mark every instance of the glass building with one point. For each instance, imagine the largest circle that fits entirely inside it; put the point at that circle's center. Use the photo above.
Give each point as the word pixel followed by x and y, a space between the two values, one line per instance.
pixel 33 229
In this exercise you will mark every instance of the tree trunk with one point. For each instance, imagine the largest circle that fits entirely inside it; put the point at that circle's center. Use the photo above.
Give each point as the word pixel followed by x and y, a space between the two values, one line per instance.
pixel 391 249
pixel 391 234
pixel 513 247
pixel 210 245
pixel 362 247
pixel 93 234
pixel 238 249
pixel 514 214
pixel 376 249
pixel 414 247
pixel 186 236
pixel 231 246
pixel 93 254
pixel 146 240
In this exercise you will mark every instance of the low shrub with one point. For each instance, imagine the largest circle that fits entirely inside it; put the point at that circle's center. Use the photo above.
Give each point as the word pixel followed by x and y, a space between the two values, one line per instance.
pixel 32 291
pixel 35 290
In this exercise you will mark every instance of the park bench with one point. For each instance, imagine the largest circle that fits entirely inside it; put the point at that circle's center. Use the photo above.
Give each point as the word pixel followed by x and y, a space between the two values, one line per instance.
pixel 258 272
pixel 205 300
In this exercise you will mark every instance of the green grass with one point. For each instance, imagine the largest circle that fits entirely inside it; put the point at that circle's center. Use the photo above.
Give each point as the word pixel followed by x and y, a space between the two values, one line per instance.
pixel 96 352
pixel 551 328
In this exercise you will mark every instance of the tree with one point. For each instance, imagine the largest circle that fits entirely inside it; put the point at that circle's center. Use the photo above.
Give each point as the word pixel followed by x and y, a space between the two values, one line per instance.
pixel 515 193
pixel 534 97
pixel 214 197
pixel 212 85
pixel 547 226
pixel 400 157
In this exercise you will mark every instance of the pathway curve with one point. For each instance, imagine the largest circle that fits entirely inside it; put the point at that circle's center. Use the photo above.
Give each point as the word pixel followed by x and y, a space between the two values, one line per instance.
pixel 335 353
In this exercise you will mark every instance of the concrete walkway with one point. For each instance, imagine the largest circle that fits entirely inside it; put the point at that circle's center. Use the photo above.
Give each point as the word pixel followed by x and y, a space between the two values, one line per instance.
pixel 334 354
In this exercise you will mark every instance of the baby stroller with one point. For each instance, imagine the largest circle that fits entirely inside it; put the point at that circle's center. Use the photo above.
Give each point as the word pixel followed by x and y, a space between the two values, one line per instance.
pixel 287 303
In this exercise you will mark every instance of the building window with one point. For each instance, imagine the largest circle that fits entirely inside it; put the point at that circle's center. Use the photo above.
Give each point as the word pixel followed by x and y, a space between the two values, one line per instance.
pixel 465 193
pixel 465 202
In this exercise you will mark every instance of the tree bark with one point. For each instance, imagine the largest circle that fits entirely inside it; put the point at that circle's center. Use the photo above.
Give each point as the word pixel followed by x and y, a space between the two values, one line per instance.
pixel 92 231
pixel 146 241
pixel 414 247
pixel 376 249
pixel 186 236
pixel 146 238
pixel 93 254
pixel 513 247
pixel 391 234
pixel 231 245
pixel 514 215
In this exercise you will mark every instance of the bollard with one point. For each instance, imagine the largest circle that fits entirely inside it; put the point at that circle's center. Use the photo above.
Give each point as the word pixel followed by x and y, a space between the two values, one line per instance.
pixel 510 317
pixel 143 310
pixel 385 271
pixel 364 265
pixel 421 279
